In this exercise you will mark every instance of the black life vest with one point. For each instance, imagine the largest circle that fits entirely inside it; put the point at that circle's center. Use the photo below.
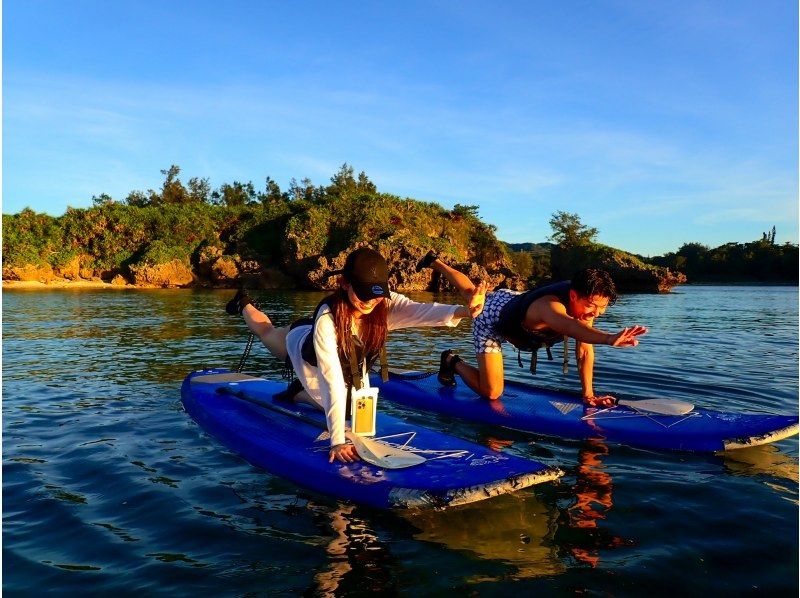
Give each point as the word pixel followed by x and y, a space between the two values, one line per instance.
pixel 511 321
pixel 353 363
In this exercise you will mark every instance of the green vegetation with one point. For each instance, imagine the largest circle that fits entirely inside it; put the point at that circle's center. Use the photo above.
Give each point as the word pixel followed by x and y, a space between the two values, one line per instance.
pixel 294 229
pixel 271 227
pixel 571 235
pixel 533 248
pixel 531 261
pixel 112 235
pixel 576 249
pixel 569 231
pixel 757 261
pixel 531 265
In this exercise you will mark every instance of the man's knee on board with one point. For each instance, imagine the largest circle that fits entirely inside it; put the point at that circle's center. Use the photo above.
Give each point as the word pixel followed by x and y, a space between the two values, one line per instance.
pixel 492 392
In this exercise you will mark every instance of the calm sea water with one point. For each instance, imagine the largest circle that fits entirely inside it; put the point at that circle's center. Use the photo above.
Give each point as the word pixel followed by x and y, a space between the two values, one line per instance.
pixel 109 487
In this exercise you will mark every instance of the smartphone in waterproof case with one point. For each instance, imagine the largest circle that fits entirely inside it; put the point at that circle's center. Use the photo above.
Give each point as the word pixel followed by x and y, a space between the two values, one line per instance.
pixel 363 406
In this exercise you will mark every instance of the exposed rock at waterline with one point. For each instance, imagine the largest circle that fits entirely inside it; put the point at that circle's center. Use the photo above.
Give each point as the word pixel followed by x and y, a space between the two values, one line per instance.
pixel 630 274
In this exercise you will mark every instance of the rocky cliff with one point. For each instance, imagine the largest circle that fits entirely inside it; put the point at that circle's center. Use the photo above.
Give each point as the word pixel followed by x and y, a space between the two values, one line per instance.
pixel 284 244
pixel 292 244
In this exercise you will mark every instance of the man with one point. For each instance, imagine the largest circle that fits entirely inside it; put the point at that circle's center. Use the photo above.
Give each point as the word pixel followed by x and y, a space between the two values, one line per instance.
pixel 533 319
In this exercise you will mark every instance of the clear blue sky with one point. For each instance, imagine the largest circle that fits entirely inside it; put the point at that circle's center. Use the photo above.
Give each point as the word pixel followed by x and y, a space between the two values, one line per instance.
pixel 658 122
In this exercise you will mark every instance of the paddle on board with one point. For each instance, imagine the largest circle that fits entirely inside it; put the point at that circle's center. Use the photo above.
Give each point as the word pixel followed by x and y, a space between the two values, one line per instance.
pixel 659 406
pixel 372 451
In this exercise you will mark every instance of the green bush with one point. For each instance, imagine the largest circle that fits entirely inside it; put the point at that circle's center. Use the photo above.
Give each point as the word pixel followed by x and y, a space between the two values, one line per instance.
pixel 309 231
pixel 30 238
pixel 159 252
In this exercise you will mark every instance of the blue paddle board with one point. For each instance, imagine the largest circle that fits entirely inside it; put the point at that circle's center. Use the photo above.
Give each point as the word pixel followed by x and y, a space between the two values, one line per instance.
pixel 551 413
pixel 291 443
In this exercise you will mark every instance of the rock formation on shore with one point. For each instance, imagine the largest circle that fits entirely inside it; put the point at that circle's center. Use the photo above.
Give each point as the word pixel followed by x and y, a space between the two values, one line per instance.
pixel 630 274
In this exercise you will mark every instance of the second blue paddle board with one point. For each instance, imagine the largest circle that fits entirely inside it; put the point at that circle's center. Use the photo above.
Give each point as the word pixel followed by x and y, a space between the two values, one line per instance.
pixel 551 413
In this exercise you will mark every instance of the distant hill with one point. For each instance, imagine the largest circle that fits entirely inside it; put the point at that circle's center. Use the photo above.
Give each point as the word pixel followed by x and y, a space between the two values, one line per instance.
pixel 534 248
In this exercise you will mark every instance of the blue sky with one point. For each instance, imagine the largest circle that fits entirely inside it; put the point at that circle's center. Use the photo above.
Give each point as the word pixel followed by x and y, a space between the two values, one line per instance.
pixel 657 122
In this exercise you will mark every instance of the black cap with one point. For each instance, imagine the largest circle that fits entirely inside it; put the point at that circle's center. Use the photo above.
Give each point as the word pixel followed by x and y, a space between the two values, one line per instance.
pixel 368 274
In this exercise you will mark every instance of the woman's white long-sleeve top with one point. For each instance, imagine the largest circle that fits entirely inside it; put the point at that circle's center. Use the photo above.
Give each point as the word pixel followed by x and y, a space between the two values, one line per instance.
pixel 325 383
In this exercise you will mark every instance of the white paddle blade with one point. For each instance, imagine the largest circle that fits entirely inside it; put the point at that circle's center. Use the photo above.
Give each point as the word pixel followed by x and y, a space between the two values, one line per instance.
pixel 383 455
pixel 659 406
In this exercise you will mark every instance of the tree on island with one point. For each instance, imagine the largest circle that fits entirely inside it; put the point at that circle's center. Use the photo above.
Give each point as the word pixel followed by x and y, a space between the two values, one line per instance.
pixel 569 231
pixel 344 182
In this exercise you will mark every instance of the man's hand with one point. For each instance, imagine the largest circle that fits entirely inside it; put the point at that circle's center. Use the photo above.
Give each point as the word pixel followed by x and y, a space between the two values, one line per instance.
pixel 627 337
pixel 476 300
pixel 604 401
pixel 346 453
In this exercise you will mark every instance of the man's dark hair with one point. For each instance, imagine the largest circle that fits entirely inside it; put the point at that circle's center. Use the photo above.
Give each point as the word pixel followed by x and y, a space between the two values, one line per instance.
pixel 594 281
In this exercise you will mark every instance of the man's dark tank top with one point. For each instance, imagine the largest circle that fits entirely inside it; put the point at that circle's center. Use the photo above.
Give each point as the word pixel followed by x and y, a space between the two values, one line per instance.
pixel 512 317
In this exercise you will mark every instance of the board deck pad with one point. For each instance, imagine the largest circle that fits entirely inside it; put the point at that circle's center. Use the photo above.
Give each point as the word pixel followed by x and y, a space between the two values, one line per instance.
pixel 298 451
pixel 551 413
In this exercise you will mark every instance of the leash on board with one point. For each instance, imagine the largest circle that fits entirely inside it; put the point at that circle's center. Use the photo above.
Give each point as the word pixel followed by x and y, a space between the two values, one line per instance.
pixel 248 346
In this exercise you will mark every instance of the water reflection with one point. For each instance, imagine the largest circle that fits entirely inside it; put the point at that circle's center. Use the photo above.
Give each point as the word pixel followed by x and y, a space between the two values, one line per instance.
pixel 767 461
pixel 516 529
pixel 579 531
pixel 357 561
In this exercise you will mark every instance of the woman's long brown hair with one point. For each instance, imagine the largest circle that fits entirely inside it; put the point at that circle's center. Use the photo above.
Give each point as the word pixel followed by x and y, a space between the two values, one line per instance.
pixel 374 325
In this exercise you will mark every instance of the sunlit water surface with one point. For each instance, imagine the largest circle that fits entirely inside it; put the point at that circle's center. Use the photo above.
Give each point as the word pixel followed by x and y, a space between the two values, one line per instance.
pixel 109 487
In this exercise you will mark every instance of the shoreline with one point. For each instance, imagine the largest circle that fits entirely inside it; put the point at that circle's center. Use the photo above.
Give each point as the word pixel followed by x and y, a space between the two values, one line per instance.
pixel 37 285
pixel 62 283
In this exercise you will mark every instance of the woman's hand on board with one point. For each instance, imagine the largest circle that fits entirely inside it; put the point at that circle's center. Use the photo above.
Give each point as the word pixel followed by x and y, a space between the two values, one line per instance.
pixel 346 453
pixel 603 401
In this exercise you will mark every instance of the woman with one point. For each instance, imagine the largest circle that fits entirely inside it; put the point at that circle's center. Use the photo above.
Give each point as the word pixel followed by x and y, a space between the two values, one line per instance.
pixel 331 353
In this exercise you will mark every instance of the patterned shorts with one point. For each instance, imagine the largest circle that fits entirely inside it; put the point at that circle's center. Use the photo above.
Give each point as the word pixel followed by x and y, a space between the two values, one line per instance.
pixel 484 333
